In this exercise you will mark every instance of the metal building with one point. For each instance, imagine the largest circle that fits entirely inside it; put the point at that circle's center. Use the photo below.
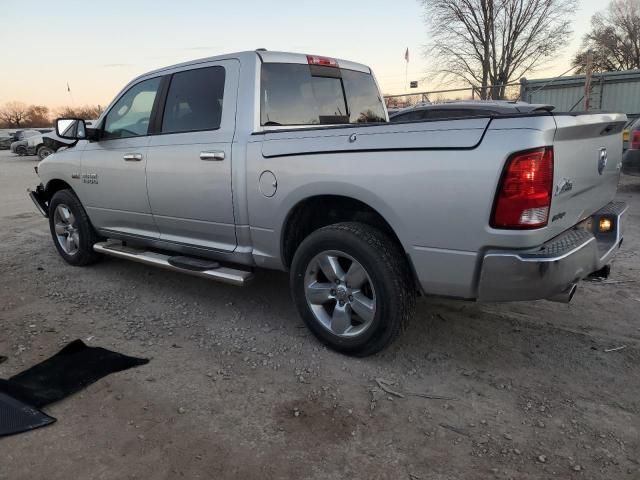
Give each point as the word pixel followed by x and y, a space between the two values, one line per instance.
pixel 610 92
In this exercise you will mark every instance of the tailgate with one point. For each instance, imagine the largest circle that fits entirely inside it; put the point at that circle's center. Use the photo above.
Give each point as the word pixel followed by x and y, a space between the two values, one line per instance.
pixel 587 161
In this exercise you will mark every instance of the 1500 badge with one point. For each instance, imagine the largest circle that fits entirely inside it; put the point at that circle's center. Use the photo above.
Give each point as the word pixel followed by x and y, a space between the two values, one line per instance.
pixel 89 178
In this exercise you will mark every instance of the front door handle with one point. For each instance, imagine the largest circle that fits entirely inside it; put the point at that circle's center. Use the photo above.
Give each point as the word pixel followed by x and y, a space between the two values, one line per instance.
pixel 132 157
pixel 212 156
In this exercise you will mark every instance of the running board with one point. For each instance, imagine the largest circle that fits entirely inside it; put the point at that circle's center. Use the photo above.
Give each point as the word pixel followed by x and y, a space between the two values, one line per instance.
pixel 228 275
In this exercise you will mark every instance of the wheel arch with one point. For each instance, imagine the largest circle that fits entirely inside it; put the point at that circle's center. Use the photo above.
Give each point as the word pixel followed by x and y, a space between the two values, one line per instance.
pixel 316 211
pixel 55 185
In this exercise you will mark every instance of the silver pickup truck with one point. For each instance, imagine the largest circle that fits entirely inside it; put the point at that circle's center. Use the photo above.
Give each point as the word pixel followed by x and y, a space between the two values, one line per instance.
pixel 286 161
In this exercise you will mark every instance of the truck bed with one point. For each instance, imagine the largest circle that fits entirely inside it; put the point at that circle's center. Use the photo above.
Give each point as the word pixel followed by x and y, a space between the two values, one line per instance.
pixel 435 181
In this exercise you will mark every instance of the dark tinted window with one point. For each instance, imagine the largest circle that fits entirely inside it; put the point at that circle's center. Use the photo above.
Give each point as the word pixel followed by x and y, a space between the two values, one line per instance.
pixel 365 104
pixel 194 100
pixel 129 117
pixel 433 114
pixel 409 116
pixel 291 95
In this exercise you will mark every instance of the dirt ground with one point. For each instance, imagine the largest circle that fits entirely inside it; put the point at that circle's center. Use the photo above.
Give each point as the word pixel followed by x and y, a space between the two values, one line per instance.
pixel 238 388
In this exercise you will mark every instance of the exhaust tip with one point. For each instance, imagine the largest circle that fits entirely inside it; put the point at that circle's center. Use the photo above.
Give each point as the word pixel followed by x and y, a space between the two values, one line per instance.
pixel 566 295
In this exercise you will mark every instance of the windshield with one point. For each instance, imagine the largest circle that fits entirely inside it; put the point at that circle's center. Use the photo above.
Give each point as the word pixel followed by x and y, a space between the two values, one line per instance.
pixel 294 94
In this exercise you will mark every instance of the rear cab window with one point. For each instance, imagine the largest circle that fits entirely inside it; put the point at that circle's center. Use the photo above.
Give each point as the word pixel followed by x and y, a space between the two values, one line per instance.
pixel 298 94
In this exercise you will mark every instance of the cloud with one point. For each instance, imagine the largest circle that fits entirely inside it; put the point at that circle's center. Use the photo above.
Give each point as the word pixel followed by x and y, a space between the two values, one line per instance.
pixel 116 65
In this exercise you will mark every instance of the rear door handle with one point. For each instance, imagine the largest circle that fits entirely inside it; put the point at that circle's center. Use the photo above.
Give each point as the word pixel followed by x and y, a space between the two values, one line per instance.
pixel 212 156
pixel 132 157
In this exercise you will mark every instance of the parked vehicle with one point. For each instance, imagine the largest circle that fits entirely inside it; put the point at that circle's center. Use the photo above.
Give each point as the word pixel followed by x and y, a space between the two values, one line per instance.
pixel 471 108
pixel 626 133
pixel 631 158
pixel 47 143
pixel 6 139
pixel 286 161
pixel 20 145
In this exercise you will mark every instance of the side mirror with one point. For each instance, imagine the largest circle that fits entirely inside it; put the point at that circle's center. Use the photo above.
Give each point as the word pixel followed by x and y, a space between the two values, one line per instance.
pixel 71 128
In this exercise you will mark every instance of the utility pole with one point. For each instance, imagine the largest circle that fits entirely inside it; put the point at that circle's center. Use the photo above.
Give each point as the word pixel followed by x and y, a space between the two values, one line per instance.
pixel 406 70
pixel 587 81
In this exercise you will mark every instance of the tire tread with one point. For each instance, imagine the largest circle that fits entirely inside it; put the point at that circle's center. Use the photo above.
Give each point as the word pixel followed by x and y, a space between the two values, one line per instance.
pixel 394 261
pixel 85 255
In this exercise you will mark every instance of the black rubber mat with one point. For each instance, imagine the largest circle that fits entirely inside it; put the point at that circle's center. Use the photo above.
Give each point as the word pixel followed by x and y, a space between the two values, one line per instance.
pixel 18 417
pixel 73 368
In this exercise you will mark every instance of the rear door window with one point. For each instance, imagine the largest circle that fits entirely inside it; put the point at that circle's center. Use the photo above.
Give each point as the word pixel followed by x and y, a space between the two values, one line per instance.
pixel 194 100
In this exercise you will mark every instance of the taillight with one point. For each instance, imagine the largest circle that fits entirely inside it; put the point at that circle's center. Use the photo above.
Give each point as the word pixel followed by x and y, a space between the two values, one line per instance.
pixel 324 61
pixel 523 199
pixel 635 140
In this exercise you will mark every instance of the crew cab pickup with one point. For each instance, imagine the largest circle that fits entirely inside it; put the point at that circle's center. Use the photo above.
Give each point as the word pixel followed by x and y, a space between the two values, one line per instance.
pixel 286 161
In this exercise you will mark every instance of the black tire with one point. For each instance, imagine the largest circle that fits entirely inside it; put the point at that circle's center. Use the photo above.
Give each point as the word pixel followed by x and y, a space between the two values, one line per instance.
pixel 389 275
pixel 44 152
pixel 21 151
pixel 84 255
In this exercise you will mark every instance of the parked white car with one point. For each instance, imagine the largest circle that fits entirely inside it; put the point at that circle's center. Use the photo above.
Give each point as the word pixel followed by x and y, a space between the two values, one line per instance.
pixel 21 145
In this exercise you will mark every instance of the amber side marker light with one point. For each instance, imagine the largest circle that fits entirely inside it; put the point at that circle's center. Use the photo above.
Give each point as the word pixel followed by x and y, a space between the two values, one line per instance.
pixel 605 225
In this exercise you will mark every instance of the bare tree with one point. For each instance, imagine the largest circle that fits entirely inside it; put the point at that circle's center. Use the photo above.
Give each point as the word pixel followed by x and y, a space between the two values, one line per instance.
pixel 14 114
pixel 614 39
pixel 494 42
pixel 37 116
pixel 86 112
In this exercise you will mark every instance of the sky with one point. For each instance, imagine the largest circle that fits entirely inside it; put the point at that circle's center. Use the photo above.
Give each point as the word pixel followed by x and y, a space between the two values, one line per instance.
pixel 97 47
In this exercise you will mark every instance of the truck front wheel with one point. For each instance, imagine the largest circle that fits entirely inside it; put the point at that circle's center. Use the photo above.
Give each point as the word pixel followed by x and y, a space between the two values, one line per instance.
pixel 352 286
pixel 72 232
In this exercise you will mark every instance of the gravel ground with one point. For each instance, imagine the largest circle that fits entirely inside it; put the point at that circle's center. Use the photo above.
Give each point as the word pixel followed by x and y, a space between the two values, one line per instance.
pixel 238 388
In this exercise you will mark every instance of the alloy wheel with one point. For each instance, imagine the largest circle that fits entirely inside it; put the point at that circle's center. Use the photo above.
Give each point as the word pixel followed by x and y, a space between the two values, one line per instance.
pixel 67 233
pixel 340 293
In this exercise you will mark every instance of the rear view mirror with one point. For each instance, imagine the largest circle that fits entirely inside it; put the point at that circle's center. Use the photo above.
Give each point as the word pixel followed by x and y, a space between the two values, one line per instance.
pixel 71 128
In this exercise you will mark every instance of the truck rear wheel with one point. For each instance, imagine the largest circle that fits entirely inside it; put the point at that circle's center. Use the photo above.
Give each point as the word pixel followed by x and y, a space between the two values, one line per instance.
pixel 352 286
pixel 72 232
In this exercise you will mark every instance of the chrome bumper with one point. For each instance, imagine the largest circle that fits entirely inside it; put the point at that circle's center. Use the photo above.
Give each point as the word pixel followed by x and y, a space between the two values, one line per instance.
pixel 549 270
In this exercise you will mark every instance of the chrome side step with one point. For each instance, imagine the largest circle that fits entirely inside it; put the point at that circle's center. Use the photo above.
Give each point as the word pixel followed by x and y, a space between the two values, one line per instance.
pixel 228 275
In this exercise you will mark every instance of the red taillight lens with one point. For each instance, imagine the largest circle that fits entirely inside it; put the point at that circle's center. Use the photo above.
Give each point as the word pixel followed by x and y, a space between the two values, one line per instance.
pixel 524 195
pixel 635 140
pixel 324 61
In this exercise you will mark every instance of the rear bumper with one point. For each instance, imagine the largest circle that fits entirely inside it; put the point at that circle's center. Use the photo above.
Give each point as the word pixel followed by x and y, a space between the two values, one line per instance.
pixel 552 268
pixel 38 198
